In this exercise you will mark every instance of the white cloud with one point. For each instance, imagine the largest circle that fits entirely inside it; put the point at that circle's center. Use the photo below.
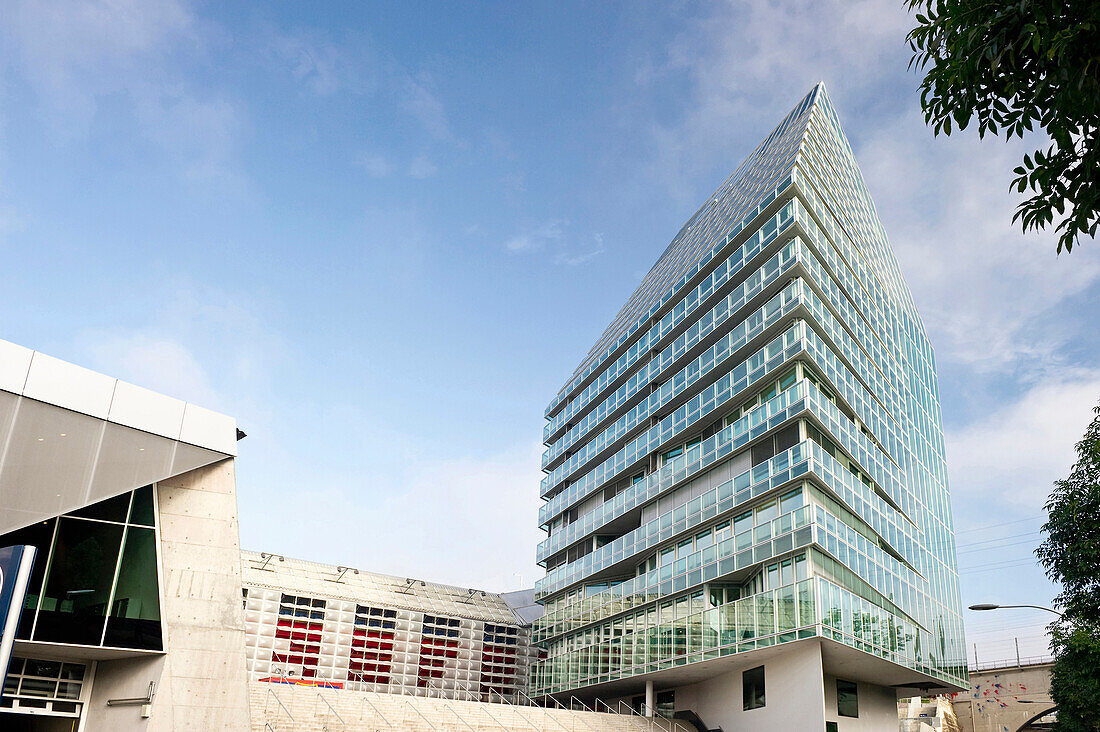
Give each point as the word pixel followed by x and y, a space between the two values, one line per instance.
pixel 73 51
pixel 536 238
pixel 74 54
pixel 421 167
pixel 423 103
pixel 466 521
pixel 202 346
pixel 161 364
pixel 1015 454
pixel 573 259
pixel 376 165
pixel 314 62
pixel 200 134
pixel 551 236
pixel 990 295
pixel 749 78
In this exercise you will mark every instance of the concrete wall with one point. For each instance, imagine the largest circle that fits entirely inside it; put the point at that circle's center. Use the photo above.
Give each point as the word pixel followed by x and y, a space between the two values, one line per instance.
pixel 1000 698
pixel 878 708
pixel 202 683
pixel 794 696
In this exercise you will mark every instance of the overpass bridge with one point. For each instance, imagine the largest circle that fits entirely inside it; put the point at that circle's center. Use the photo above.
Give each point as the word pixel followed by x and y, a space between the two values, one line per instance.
pixel 1008 697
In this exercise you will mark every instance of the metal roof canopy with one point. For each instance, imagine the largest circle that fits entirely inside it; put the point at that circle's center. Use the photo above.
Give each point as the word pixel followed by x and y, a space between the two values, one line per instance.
pixel 70 437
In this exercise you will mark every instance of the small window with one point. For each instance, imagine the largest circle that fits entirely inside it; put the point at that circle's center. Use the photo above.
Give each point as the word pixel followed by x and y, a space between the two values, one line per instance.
pixel 637 479
pixel 762 452
pixel 752 687
pixel 847 698
pixel 674 453
pixel 766 512
pixel 787 380
pixel 831 727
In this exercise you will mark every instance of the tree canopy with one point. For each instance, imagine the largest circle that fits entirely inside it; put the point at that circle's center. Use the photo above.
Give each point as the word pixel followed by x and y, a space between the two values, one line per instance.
pixel 1012 66
pixel 1071 555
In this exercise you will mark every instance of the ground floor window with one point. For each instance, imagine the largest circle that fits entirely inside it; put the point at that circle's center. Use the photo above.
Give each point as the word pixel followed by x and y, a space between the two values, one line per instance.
pixel 752 687
pixel 847 700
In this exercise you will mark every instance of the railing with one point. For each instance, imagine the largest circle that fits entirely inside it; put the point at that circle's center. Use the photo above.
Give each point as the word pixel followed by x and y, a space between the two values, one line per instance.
pixel 516 711
pixel 271 693
pixel 1012 663
pixel 458 716
pixel 368 702
pixel 332 709
pixel 410 705
pixel 583 706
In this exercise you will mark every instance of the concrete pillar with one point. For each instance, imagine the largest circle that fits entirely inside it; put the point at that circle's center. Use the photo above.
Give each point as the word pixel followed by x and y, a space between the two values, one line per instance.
pixel 650 703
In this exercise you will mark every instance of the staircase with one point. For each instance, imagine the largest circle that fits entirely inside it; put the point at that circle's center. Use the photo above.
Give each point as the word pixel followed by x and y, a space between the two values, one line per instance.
pixel 285 708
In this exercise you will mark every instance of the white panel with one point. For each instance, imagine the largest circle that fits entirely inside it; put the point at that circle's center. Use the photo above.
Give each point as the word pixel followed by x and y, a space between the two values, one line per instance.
pixel 129 459
pixel 14 363
pixel 48 465
pixel 209 429
pixel 142 409
pixel 58 382
pixel 188 458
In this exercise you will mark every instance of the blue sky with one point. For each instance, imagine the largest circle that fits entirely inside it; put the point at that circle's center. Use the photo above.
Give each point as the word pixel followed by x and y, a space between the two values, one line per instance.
pixel 382 235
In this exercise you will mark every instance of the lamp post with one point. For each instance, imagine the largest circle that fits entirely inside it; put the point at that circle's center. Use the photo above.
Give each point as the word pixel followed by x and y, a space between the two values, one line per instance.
pixel 990 606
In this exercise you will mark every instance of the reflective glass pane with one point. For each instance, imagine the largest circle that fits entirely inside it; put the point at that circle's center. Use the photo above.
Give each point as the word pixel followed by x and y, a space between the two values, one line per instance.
pixel 135 611
pixel 141 511
pixel 78 584
pixel 38 535
pixel 112 509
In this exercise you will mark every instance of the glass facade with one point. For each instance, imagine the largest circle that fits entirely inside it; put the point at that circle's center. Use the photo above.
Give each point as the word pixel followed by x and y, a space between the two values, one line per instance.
pixel 95 580
pixel 752 453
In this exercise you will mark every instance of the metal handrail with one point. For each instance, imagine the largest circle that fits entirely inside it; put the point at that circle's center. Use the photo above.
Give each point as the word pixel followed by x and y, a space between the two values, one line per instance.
pixel 410 705
pixel 469 694
pixel 583 706
pixel 493 717
pixel 332 709
pixel 376 711
pixel 451 709
pixel 633 712
pixel 278 701
pixel 514 707
pixel 552 718
pixel 531 702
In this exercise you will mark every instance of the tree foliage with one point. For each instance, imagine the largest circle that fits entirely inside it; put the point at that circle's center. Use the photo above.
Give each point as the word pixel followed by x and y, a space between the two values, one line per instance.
pixel 1011 66
pixel 1071 555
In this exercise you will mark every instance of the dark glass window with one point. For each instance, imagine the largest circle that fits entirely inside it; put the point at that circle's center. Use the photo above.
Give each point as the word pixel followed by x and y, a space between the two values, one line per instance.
pixel 847 699
pixel 141 511
pixel 786 438
pixel 752 688
pixel 40 536
pixel 112 509
pixel 78 584
pixel 831 727
pixel 135 610
pixel 763 451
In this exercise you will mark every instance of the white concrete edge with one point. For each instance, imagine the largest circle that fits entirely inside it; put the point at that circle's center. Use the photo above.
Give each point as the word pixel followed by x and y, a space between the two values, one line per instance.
pixel 50 380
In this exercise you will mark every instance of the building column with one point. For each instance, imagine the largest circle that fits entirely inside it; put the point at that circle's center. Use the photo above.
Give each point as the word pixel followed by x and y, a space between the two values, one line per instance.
pixel 649 701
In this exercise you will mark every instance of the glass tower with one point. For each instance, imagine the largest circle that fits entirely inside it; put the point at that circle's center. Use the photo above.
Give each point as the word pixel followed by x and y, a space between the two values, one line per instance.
pixel 752 453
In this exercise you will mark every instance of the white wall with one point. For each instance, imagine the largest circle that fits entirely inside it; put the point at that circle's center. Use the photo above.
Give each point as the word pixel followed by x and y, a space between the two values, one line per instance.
pixel 794 700
pixel 202 683
pixel 878 708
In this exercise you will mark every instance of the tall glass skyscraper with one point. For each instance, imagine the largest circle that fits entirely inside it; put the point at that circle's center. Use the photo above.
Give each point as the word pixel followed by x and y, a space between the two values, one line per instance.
pixel 745 490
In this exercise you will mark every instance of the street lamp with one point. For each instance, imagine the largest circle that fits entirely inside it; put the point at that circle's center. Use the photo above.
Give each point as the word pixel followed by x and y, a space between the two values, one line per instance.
pixel 990 606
